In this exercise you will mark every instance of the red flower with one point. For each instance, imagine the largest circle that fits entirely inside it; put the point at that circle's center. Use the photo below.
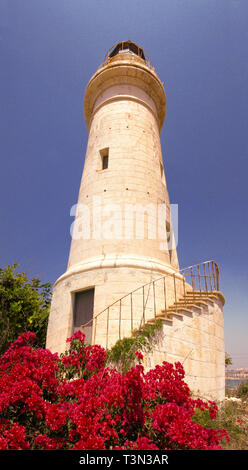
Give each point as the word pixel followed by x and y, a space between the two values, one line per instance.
pixel 78 335
pixel 139 355
pixel 240 421
pixel 76 402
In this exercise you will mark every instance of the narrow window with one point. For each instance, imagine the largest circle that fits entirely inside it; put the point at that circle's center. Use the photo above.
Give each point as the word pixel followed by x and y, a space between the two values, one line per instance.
pixel 83 313
pixel 169 239
pixel 161 170
pixel 105 162
pixel 162 173
pixel 104 153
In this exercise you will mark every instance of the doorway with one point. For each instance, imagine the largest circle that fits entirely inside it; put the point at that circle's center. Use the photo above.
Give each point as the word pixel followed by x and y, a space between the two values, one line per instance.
pixel 83 313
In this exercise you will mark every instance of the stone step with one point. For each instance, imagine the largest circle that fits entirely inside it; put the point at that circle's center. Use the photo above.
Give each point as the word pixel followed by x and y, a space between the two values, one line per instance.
pixel 159 317
pixel 200 301
pixel 176 309
pixel 213 294
pixel 190 302
pixel 195 306
pixel 200 294
pixel 176 313
pixel 179 308
pixel 212 297
pixel 196 299
pixel 187 303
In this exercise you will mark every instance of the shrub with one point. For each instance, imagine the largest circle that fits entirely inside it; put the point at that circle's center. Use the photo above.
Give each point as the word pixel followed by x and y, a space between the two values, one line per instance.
pixel 242 390
pixel 123 354
pixel 232 416
pixel 75 402
pixel 24 306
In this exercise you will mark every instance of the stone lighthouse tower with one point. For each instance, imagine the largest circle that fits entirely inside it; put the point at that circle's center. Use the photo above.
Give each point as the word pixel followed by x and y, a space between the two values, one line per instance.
pixel 123 269
pixel 123 221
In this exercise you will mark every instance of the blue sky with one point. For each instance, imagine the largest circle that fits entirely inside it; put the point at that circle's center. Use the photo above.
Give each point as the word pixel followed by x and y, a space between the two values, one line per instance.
pixel 49 51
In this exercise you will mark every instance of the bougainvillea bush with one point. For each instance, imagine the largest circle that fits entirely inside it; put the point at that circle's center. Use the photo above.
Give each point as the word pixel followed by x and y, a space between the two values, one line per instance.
pixel 74 401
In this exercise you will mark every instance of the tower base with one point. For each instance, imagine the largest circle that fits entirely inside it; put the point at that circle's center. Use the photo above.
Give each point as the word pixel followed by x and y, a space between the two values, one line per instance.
pixel 112 278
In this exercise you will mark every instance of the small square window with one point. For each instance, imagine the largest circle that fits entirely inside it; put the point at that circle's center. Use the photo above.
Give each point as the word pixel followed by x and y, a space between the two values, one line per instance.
pixel 104 153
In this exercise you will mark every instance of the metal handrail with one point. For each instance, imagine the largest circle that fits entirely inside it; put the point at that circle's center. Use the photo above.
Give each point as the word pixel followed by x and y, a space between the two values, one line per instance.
pixel 212 267
pixel 190 278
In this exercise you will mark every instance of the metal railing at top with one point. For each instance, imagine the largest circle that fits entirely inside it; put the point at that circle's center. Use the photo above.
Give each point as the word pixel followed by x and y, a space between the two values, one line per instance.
pixel 132 310
pixel 123 44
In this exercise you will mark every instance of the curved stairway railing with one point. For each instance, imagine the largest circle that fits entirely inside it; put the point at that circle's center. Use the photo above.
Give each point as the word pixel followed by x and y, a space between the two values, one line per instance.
pixel 144 303
pixel 203 276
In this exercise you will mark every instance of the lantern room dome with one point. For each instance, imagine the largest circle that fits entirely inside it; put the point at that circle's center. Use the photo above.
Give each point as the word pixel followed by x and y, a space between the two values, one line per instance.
pixel 125 47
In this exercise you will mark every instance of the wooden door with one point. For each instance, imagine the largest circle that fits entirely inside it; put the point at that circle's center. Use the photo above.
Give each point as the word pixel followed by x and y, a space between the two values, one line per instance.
pixel 83 312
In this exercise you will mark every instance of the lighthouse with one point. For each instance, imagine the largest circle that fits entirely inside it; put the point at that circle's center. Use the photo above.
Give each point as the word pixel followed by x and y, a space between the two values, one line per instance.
pixel 122 218
pixel 123 269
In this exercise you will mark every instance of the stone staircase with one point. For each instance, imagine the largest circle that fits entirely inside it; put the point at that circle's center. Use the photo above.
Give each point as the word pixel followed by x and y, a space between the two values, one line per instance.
pixel 187 304
pixel 187 292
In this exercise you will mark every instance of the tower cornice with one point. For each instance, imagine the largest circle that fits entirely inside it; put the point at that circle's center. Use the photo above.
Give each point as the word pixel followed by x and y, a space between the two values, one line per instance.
pixel 129 72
